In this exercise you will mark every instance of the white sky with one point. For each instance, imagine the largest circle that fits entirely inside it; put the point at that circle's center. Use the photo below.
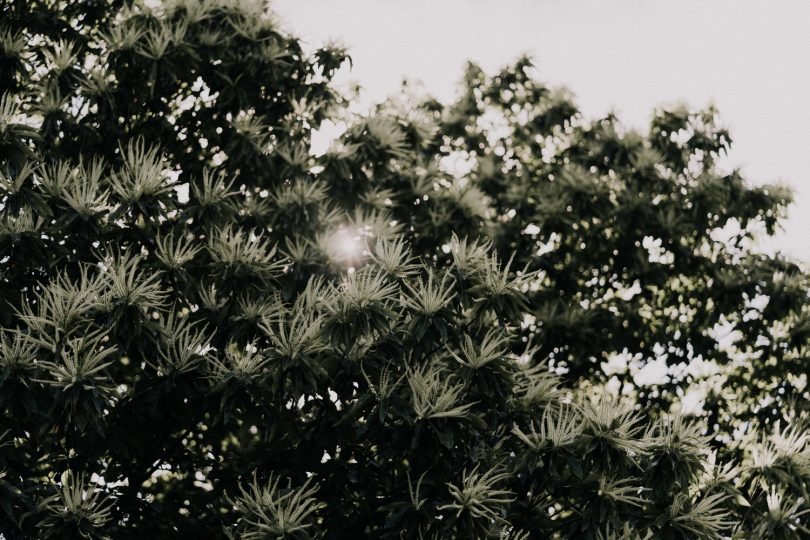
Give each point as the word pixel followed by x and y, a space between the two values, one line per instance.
pixel 750 58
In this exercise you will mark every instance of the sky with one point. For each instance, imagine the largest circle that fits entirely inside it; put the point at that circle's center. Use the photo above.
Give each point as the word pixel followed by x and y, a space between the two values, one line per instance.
pixel 749 58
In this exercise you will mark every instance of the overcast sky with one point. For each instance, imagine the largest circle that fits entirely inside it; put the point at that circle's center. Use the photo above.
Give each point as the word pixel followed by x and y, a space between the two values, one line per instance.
pixel 750 58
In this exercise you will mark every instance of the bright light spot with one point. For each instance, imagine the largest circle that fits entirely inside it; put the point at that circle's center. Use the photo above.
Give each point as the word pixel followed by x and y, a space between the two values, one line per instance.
pixel 182 193
pixel 323 137
pixel 656 252
pixel 692 402
pixel 345 245
pixel 459 164
pixel 628 294
pixel 617 362
pixel 531 230
pixel 549 246
pixel 613 386
pixel 653 373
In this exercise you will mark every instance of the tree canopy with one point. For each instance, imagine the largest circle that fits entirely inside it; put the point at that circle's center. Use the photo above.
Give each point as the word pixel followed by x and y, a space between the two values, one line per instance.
pixel 642 245
pixel 437 328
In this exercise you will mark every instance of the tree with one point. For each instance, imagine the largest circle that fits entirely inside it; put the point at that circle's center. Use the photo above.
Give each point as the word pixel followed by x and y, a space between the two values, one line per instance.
pixel 641 243
pixel 211 331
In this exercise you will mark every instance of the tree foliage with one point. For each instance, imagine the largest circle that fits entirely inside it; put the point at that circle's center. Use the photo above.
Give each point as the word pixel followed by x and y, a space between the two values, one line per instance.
pixel 642 244
pixel 209 330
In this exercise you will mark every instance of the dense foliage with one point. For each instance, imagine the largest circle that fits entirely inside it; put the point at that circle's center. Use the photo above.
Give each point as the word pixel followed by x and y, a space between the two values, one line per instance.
pixel 207 330
pixel 641 242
